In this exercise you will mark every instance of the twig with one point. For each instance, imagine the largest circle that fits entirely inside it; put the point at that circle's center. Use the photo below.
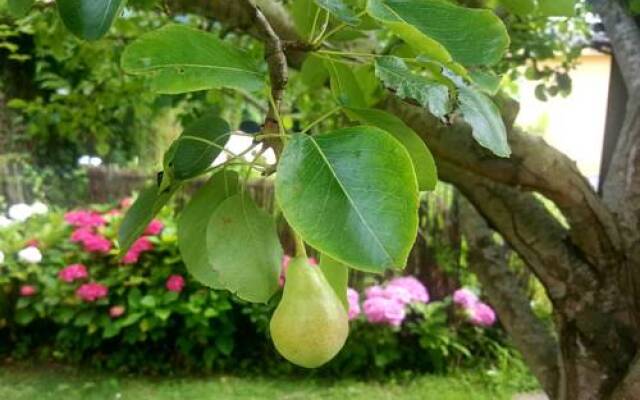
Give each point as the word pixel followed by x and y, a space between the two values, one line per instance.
pixel 278 72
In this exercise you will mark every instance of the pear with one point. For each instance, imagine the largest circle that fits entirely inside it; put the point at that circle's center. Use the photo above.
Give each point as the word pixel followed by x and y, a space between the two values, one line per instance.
pixel 310 325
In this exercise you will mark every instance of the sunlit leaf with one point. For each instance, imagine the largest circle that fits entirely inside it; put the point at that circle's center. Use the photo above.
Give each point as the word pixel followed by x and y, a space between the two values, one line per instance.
pixel 19 8
pixel 179 59
pixel 423 161
pixel 430 92
pixel 352 194
pixel 340 10
pixel 557 8
pixel 344 84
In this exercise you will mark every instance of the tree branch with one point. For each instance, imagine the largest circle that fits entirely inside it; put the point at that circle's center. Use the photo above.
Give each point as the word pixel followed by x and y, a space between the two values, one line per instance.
pixel 530 336
pixel 533 166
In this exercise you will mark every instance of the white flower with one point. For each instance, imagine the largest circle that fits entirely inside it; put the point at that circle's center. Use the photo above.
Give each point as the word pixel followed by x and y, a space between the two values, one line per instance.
pixel 30 255
pixel 84 160
pixel 20 212
pixel 1 257
pixel 4 221
pixel 95 161
pixel 39 208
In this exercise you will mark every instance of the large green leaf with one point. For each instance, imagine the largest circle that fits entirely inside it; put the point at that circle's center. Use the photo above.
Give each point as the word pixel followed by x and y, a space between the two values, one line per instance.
pixel 520 7
pixel 557 8
pixel 192 154
pixel 149 202
pixel 244 248
pixel 19 8
pixel 303 13
pixel 344 84
pixel 180 59
pixel 193 222
pixel 89 19
pixel 429 91
pixel 484 117
pixel 423 161
pixel 337 275
pixel 471 36
pixel 352 194
pixel 341 10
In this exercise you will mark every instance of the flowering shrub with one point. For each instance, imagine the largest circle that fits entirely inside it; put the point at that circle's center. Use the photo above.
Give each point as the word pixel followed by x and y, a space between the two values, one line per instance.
pixel 73 297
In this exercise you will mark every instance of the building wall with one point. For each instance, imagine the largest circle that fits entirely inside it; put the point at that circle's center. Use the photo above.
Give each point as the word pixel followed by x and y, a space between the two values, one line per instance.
pixel 573 124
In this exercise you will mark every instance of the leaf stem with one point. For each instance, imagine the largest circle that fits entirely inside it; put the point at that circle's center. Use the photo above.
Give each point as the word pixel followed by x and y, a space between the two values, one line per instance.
pixel 322 118
pixel 301 250
pixel 337 29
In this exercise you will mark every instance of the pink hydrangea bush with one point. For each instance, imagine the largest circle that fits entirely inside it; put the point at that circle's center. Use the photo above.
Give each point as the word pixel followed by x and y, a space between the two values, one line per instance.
pixel 175 283
pixel 353 298
pixel 476 312
pixel 141 245
pixel 28 290
pixel 388 304
pixel 73 272
pixel 91 292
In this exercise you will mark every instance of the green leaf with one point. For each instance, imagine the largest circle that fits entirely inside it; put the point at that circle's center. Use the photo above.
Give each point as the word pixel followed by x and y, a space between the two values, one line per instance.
pixel 340 10
pixel 111 330
pixel 193 221
pixel 191 156
pixel 429 91
pixel 179 59
pixel 520 7
pixel 471 36
pixel 303 13
pixel 24 316
pixel 557 8
pixel 19 8
pixel 344 84
pixel 313 72
pixel 244 248
pixel 479 111
pixel 89 19
pixel 352 194
pixel 148 301
pixel 337 275
pixel 423 161
pixel 149 202
pixel 487 81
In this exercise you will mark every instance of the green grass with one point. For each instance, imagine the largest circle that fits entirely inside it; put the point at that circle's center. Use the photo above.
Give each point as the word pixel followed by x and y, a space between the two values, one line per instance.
pixel 64 383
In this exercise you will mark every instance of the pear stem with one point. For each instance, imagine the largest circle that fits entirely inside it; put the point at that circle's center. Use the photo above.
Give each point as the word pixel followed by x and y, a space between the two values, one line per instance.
pixel 301 250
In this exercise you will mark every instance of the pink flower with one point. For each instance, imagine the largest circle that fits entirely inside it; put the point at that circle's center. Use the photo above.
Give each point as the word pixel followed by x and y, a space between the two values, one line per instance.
pixel 126 202
pixel 396 293
pixel 84 218
pixel 285 266
pixel 354 303
pixel 417 291
pixel 175 283
pixel 138 247
pixel 464 298
pixel 481 314
pixel 92 291
pixel 154 227
pixel 27 290
pixel 381 310
pixel 91 242
pixel 116 311
pixel 73 272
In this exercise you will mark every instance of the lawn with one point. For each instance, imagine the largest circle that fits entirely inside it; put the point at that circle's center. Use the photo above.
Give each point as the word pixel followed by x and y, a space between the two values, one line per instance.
pixel 57 382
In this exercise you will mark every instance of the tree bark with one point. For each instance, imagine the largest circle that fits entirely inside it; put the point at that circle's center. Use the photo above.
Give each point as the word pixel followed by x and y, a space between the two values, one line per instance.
pixel 587 258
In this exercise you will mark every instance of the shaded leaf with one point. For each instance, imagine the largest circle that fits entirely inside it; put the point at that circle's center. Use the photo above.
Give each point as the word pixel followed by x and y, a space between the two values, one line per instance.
pixel 190 157
pixel 193 222
pixel 337 275
pixel 313 72
pixel 479 111
pixel 520 7
pixel 19 8
pixel 244 248
pixel 149 202
pixel 487 81
pixel 180 59
pixel 423 161
pixel 344 84
pixel 89 19
pixel 352 194
pixel 340 10
pixel 557 8
pixel 430 92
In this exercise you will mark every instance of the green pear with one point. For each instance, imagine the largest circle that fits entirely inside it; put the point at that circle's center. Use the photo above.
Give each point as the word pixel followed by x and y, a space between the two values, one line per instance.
pixel 310 325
